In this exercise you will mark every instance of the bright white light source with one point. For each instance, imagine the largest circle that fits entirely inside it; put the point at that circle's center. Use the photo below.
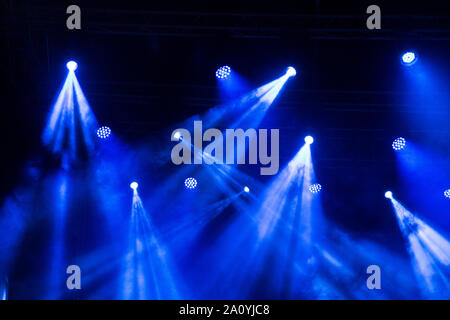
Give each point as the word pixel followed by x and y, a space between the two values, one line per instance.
pixel 309 140
pixel 134 185
pixel 388 194
pixel 72 65
pixel 291 72
pixel 409 58
pixel 399 144
pixel 177 135
pixel 246 189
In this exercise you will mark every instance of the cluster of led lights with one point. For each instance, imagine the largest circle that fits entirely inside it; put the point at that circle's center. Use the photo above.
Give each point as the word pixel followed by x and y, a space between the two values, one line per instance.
pixel 190 183
pixel 447 193
pixel 399 144
pixel 315 188
pixel 103 132
pixel 223 72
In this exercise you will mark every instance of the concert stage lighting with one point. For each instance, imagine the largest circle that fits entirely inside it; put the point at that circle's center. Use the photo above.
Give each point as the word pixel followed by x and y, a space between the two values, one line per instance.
pixel 190 183
pixel 223 72
pixel 447 193
pixel 388 194
pixel 315 188
pixel 246 189
pixel 399 144
pixel 291 72
pixel 103 132
pixel 134 185
pixel 309 140
pixel 72 65
pixel 409 58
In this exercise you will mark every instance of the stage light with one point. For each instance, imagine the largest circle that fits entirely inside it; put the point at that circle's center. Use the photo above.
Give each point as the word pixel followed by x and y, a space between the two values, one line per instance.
pixel 388 195
pixel 447 193
pixel 309 140
pixel 246 189
pixel 315 188
pixel 291 72
pixel 190 183
pixel 399 144
pixel 103 132
pixel 72 65
pixel 409 58
pixel 223 72
pixel 134 185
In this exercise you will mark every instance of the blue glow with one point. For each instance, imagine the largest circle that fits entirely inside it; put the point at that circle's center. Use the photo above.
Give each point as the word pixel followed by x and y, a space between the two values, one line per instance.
pixel 309 140
pixel 72 65
pixel 399 144
pixel 190 183
pixel 103 132
pixel 246 189
pixel 134 185
pixel 409 58
pixel 315 188
pixel 388 194
pixel 223 72
pixel 291 72
pixel 447 193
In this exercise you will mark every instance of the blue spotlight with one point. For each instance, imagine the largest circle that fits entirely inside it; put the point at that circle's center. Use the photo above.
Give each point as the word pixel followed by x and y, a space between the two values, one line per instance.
pixel 388 195
pixel 309 140
pixel 223 72
pixel 246 189
pixel 447 193
pixel 190 183
pixel 103 132
pixel 399 144
pixel 72 65
pixel 409 58
pixel 291 72
pixel 134 185
pixel 315 188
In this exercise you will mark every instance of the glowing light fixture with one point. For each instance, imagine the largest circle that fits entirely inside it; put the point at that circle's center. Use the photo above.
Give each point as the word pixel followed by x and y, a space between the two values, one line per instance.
pixel 315 188
pixel 103 132
pixel 72 65
pixel 399 144
pixel 388 195
pixel 190 183
pixel 223 72
pixel 291 72
pixel 447 193
pixel 246 189
pixel 134 185
pixel 309 140
pixel 409 58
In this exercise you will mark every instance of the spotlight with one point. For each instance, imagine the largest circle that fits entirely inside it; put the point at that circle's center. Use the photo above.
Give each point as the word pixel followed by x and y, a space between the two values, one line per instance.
pixel 447 193
pixel 134 185
pixel 309 140
pixel 72 65
pixel 388 195
pixel 290 72
pixel 315 188
pixel 409 58
pixel 223 72
pixel 246 189
pixel 399 144
pixel 103 132
pixel 190 183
